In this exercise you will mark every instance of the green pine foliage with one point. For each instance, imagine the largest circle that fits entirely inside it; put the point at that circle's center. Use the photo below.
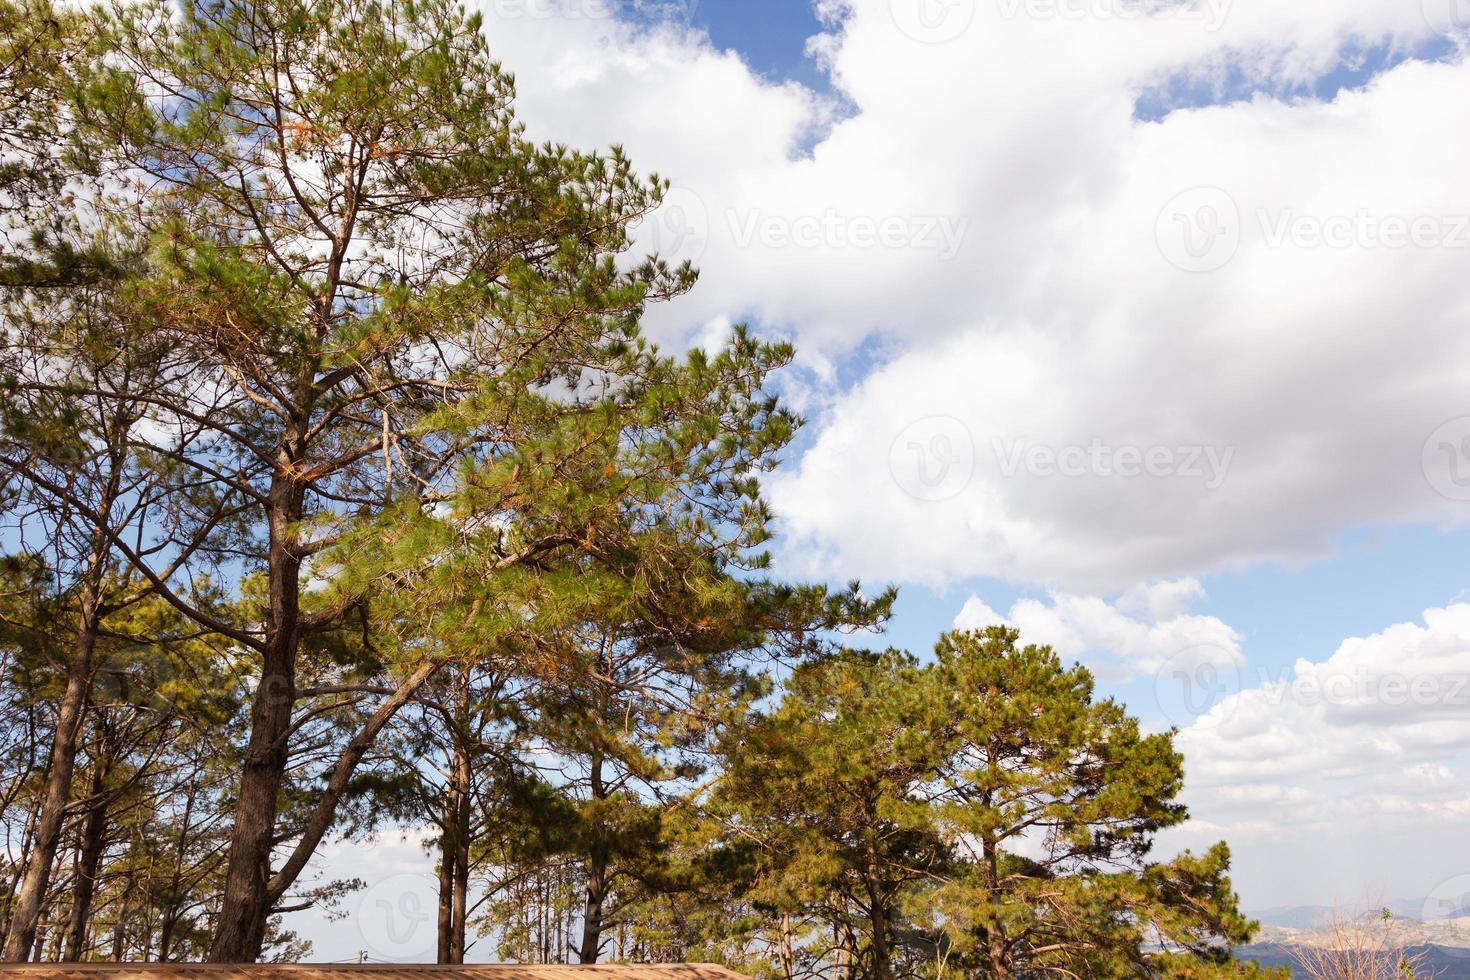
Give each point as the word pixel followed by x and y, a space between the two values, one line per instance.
pixel 982 813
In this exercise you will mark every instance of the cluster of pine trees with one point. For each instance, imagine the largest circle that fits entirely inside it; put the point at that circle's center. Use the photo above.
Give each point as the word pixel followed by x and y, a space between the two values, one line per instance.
pixel 341 492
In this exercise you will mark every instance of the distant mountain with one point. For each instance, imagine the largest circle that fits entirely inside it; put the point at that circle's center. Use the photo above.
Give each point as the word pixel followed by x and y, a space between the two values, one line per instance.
pixel 1314 916
pixel 1449 933
pixel 1443 941
pixel 1294 916
pixel 1440 962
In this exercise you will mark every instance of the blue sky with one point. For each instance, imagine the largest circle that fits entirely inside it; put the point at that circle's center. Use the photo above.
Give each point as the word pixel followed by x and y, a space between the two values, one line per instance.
pixel 770 35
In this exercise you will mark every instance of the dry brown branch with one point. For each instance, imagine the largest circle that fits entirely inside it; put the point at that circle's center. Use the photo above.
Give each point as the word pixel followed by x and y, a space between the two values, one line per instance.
pixel 1366 947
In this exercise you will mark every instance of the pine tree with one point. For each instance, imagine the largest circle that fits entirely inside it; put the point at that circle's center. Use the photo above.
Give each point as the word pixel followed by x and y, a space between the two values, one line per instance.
pixel 75 385
pixel 403 343
pixel 832 787
pixel 1032 758
pixel 982 813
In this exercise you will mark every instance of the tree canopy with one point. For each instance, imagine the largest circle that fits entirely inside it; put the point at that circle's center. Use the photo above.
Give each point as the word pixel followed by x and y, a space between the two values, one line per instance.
pixel 980 812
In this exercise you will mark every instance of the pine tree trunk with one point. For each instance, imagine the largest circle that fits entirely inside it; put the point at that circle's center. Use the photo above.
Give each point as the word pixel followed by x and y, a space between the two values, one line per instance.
pixel 461 882
pixel 245 905
pixel 592 911
pixel 996 948
pixel 120 927
pixel 89 861
pixel 877 917
pixel 12 884
pixel 596 876
pixel 787 949
pixel 454 838
pixel 447 853
pixel 245 909
pixel 26 910
pixel 882 960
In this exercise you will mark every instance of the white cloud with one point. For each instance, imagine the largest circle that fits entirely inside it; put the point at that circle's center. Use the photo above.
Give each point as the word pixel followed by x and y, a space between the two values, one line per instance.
pixel 1162 600
pixel 1375 729
pixel 1264 406
pixel 1007 392
pixel 1342 779
pixel 1286 396
pixel 1145 630
pixel 1267 404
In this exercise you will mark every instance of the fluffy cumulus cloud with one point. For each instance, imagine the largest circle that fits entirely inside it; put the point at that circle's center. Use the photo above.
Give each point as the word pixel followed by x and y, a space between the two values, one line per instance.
pixel 1144 632
pixel 1394 706
pixel 1343 779
pixel 1125 410
pixel 1100 344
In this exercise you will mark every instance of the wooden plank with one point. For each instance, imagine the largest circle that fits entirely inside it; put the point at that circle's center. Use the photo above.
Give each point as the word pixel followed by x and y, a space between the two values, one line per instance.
pixel 352 971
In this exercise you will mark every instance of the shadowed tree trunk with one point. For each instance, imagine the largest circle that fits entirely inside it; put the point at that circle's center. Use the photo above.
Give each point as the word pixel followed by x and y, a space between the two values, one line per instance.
pixel 447 858
pixel 456 824
pixel 30 898
pixel 996 949
pixel 878 921
pixel 592 913
pixel 89 861
pixel 596 875
pixel 241 932
pixel 241 942
pixel 461 878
